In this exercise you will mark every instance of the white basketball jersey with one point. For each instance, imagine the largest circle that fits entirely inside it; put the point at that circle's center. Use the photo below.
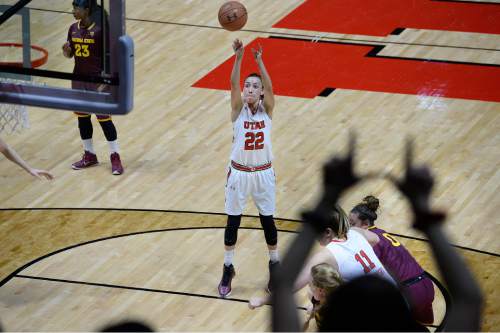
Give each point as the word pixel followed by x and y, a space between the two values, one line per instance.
pixel 355 257
pixel 252 137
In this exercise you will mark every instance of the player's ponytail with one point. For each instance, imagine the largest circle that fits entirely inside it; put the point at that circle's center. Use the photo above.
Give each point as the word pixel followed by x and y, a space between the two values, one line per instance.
pixel 339 222
pixel 367 210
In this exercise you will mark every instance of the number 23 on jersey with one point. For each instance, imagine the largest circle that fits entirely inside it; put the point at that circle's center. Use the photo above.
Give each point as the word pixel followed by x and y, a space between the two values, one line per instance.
pixel 82 50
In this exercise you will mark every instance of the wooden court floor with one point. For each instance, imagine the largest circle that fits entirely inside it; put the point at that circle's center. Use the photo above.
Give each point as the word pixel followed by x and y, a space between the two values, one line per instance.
pixel 175 147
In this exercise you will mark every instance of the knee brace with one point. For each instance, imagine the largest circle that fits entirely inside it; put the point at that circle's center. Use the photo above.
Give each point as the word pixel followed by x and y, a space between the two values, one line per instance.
pixel 85 127
pixel 270 231
pixel 109 130
pixel 231 232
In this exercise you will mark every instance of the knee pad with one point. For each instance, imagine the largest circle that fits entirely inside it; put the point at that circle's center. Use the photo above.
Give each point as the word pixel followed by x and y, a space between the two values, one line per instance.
pixel 270 231
pixel 109 130
pixel 85 127
pixel 231 232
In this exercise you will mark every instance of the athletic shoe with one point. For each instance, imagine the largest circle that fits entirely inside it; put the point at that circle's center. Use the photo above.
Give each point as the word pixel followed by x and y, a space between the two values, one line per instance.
pixel 88 160
pixel 116 164
pixel 225 283
pixel 272 268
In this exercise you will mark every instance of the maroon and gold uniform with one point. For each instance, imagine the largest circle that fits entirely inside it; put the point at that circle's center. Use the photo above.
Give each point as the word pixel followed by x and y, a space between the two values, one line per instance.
pixel 86 47
pixel 417 287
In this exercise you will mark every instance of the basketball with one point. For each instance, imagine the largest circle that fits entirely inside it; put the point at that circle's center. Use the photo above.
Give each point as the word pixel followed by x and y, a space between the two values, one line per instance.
pixel 232 16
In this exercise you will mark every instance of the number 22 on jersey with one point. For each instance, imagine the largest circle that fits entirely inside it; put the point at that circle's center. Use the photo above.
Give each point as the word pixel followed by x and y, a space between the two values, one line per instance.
pixel 254 141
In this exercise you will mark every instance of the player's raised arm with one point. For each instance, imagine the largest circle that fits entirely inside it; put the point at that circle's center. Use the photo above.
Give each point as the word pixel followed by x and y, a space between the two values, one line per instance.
pixel 236 100
pixel 266 81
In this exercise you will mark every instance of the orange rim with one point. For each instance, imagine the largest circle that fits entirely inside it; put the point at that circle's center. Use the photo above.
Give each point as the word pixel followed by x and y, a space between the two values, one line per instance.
pixel 34 63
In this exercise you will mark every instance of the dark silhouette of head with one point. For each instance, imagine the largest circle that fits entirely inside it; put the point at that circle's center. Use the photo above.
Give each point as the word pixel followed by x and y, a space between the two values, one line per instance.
pixel 128 326
pixel 367 304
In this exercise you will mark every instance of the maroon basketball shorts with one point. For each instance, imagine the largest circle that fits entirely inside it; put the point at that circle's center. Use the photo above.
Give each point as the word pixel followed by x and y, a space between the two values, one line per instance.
pixel 91 87
pixel 420 296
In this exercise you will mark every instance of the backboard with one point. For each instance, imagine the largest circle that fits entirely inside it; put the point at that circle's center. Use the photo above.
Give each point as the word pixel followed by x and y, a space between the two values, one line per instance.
pixel 34 71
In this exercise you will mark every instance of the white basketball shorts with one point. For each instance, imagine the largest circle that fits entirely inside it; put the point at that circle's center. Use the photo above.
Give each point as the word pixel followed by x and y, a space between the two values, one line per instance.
pixel 259 184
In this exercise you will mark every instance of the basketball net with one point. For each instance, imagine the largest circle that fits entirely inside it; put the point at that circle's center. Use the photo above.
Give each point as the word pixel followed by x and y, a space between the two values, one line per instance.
pixel 13 117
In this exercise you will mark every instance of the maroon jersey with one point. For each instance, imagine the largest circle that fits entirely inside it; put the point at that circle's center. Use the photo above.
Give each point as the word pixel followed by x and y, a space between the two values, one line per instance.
pixel 86 47
pixel 395 257
pixel 417 288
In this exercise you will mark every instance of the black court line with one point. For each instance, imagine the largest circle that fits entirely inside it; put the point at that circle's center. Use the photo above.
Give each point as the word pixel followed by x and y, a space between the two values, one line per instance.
pixel 289 33
pixel 171 292
pixel 117 286
pixel 20 269
pixel 377 48
pixel 222 214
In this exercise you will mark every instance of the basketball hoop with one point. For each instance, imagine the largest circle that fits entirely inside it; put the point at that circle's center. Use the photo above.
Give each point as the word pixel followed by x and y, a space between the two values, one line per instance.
pixel 14 117
pixel 34 63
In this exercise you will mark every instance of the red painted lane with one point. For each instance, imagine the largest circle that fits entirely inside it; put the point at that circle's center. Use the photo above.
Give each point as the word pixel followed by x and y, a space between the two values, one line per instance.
pixel 381 17
pixel 304 69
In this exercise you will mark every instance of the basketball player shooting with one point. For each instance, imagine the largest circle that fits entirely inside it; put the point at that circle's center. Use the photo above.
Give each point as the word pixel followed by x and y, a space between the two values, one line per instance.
pixel 250 170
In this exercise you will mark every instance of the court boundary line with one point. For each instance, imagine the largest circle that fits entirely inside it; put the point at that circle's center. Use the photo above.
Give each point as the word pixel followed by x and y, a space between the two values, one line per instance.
pixel 15 274
pixel 290 33
pixel 34 261
pixel 179 293
pixel 118 286
pixel 223 214
pixel 374 52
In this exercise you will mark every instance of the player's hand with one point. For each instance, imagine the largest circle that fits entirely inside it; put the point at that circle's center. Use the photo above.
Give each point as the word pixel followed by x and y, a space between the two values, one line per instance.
pixel 257 53
pixel 238 48
pixel 338 176
pixel 417 185
pixel 66 50
pixel 417 182
pixel 338 173
pixel 41 174
pixel 256 302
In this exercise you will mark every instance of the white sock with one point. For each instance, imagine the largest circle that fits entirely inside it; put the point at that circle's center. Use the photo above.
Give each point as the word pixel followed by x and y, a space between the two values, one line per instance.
pixel 273 256
pixel 113 147
pixel 88 146
pixel 228 257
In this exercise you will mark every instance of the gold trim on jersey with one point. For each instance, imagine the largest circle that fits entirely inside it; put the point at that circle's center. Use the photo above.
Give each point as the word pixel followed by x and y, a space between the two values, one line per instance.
pixel 89 27
pixel 103 119
pixel 81 115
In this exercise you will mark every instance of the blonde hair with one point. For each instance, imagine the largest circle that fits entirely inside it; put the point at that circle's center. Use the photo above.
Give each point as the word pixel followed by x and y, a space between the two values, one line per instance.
pixel 339 222
pixel 326 277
